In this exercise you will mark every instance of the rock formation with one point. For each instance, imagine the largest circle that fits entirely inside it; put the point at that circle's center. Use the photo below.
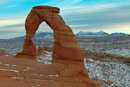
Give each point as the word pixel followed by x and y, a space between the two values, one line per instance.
pixel 29 49
pixel 40 50
pixel 67 68
pixel 3 52
pixel 65 45
pixel 49 49
pixel 21 72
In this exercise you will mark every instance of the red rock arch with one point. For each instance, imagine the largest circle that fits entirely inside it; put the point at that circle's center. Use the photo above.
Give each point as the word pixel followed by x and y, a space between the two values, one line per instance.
pixel 65 45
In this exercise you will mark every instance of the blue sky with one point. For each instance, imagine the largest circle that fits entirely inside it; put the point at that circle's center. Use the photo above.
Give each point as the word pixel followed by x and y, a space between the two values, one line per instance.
pixel 81 15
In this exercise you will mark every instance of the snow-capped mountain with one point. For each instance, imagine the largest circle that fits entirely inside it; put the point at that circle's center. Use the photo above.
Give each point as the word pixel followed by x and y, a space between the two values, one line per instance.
pixel 38 36
pixel 44 35
pixel 82 34
pixel 49 36
pixel 119 34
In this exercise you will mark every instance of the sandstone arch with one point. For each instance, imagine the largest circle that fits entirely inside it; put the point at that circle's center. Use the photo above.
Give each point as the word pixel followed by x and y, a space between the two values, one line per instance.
pixel 65 45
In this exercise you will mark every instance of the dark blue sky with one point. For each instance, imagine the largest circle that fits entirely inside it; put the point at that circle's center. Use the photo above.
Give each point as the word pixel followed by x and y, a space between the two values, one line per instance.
pixel 82 15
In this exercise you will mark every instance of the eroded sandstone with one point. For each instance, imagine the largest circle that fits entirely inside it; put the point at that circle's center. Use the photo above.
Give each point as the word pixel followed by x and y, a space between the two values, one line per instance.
pixel 67 68
pixel 21 72
pixel 65 45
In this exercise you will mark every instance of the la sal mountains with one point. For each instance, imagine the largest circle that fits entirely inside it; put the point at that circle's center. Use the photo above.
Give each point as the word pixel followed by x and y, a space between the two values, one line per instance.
pixel 40 35
pixel 81 34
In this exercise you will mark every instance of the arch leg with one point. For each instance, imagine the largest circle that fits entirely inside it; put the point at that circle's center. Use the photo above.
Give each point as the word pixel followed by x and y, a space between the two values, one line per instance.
pixel 29 48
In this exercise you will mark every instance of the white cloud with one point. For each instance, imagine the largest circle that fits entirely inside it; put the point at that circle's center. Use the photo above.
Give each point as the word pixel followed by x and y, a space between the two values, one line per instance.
pixel 11 22
pixel 10 6
pixel 72 7
pixel 88 8
pixel 125 28
pixel 68 3
pixel 74 26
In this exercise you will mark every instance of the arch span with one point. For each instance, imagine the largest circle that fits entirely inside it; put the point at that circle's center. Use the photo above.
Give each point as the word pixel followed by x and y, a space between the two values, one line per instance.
pixel 65 45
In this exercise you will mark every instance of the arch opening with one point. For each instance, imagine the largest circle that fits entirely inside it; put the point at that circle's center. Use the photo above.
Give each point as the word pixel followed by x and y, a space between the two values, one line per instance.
pixel 44 36
pixel 44 42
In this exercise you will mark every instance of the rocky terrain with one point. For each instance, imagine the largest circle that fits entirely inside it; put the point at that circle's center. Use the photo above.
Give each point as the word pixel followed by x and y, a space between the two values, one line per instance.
pixel 21 72
pixel 109 69
pixel 118 45
pixel 114 45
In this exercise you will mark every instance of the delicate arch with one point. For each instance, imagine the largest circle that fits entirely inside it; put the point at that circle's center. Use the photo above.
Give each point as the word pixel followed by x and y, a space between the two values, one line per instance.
pixel 65 45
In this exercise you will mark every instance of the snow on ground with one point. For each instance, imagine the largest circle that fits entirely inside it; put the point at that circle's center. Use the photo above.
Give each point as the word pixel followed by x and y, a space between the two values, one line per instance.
pixel 112 45
pixel 122 52
pixel 46 58
pixel 109 73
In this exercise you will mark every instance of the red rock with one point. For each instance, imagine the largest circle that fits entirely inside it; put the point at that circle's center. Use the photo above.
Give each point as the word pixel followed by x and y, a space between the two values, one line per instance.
pixel 22 72
pixel 46 48
pixel 67 68
pixel 29 50
pixel 40 50
pixel 1 54
pixel 65 45
pixel 7 82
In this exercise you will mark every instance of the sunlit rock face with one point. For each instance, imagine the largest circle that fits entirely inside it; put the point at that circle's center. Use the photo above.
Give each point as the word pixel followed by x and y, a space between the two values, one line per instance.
pixel 65 45
pixel 23 72
pixel 29 49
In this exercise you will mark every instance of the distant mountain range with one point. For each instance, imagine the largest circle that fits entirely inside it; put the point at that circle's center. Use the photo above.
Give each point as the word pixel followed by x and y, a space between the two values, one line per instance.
pixel 44 35
pixel 81 34
pixel 41 35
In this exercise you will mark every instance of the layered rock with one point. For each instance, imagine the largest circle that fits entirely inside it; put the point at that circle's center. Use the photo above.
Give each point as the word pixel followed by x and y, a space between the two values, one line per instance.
pixel 65 45
pixel 20 72
pixel 40 50
pixel 29 49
